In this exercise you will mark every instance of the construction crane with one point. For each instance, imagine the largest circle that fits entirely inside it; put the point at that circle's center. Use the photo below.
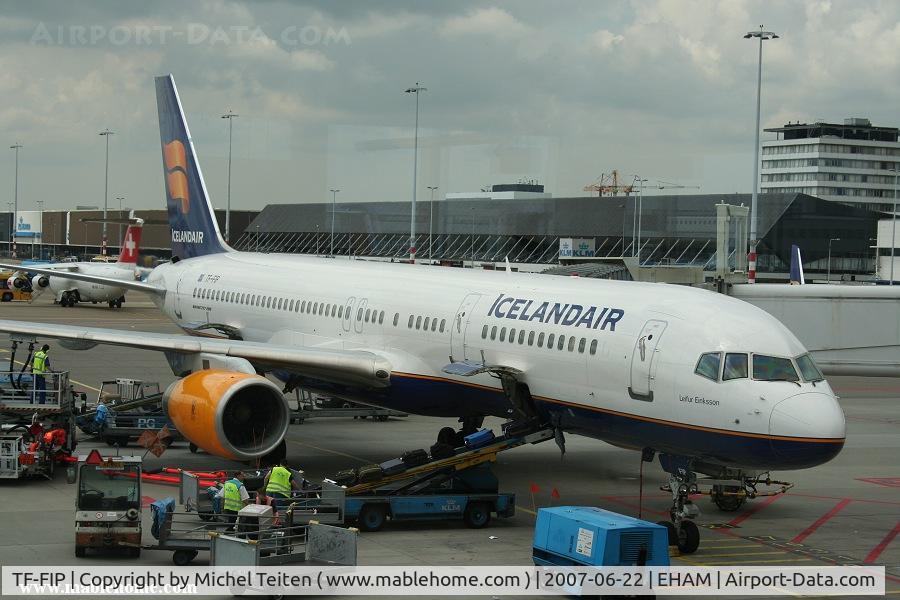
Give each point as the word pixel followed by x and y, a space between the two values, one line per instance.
pixel 610 185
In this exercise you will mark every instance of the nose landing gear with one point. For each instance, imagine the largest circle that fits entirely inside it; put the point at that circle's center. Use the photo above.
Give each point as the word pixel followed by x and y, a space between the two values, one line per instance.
pixel 683 532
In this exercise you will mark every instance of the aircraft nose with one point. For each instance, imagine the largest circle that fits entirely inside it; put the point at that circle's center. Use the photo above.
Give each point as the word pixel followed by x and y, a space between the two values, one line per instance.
pixel 808 415
pixel 807 429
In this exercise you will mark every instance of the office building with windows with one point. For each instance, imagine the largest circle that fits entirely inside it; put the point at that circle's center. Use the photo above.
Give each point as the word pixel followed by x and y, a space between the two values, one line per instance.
pixel 854 163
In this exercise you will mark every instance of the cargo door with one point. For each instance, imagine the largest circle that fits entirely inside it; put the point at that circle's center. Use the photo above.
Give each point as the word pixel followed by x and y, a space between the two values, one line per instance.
pixel 643 360
pixel 459 325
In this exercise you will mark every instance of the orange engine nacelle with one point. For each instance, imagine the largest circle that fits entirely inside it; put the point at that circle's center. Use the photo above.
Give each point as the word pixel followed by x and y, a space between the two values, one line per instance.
pixel 228 413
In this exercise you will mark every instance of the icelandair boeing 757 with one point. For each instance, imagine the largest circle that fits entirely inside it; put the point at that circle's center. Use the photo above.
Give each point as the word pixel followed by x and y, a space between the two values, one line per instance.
pixel 712 384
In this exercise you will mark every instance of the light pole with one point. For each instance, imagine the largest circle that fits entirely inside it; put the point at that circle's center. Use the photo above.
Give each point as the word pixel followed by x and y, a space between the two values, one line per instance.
pixel 412 221
pixel 333 202
pixel 12 219
pixel 762 35
pixel 431 218
pixel 828 279
pixel 15 214
pixel 317 240
pixel 105 133
pixel 229 115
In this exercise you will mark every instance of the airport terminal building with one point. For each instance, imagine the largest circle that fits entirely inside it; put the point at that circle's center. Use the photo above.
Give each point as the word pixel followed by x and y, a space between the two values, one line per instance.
pixel 537 232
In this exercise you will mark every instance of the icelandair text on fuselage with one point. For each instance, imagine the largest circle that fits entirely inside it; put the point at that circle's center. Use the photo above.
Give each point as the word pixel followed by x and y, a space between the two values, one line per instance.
pixel 187 237
pixel 576 315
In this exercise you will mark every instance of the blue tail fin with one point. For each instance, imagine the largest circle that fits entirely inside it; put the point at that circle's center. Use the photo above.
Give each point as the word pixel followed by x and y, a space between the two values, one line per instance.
pixel 191 216
pixel 796 266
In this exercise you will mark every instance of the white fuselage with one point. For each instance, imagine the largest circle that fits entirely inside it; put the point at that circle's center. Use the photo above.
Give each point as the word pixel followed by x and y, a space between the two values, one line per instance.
pixel 625 371
pixel 93 292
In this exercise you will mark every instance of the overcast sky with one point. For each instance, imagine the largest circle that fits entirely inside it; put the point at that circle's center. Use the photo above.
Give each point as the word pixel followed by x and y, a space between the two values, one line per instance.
pixel 556 91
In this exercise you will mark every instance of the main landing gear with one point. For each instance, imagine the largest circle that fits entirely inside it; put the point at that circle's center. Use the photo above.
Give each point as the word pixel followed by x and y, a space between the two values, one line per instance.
pixel 117 303
pixel 69 298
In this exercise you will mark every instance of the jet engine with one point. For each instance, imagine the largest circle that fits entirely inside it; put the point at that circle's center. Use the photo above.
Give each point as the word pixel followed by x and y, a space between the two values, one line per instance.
pixel 227 413
pixel 39 282
pixel 19 281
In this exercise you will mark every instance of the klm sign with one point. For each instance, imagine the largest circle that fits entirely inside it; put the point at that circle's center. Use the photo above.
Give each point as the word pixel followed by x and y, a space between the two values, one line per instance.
pixel 576 247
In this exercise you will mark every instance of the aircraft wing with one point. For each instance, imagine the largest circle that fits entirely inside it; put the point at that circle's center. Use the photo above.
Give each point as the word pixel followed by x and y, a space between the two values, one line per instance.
pixel 53 266
pixel 344 366
pixel 128 284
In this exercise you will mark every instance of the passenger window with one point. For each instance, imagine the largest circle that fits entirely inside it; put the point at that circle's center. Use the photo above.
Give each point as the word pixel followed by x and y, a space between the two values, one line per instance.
pixel 503 334
pixel 572 344
pixel 512 335
pixel 735 367
pixel 494 332
pixel 593 347
pixel 434 324
pixel 773 368
pixel 291 306
pixel 540 343
pixel 279 303
pixel 550 339
pixel 368 314
pixel 418 322
pixel 341 311
pixel 359 314
pixel 381 318
pixel 521 336
pixel 297 306
pixel 409 325
pixel 581 345
pixel 427 322
pixel 303 306
pixel 396 318
pixel 708 365
pixel 484 332
pixel 530 338
pixel 443 322
pixel 562 342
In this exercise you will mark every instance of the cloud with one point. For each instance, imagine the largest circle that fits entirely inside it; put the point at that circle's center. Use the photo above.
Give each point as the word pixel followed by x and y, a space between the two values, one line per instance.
pixel 605 39
pixel 492 21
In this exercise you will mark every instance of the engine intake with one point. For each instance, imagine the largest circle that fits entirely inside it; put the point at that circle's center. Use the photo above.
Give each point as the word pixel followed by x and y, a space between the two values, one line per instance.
pixel 39 282
pixel 227 413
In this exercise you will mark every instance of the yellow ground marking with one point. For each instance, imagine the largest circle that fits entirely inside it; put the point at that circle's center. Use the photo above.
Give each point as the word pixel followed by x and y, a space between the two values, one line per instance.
pixel 75 381
pixel 747 545
pixel 319 448
pixel 528 510
pixel 745 554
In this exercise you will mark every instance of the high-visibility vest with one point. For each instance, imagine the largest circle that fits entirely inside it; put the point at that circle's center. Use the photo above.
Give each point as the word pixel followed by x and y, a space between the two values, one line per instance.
pixel 279 481
pixel 39 363
pixel 231 493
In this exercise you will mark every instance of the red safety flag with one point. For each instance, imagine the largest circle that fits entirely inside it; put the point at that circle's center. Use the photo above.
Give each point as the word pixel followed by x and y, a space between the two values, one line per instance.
pixel 555 493
pixel 157 449
pixel 534 488
pixel 164 434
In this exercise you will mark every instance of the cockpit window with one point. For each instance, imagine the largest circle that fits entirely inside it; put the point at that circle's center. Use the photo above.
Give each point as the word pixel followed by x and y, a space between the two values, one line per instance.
pixel 708 365
pixel 735 367
pixel 773 368
pixel 808 368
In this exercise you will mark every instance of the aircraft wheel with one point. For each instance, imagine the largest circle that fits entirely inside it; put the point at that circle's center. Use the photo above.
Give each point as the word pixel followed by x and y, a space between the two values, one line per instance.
pixel 80 551
pixel 111 304
pixel 673 535
pixel 7 297
pixel 688 537
pixel 192 447
pixel 183 557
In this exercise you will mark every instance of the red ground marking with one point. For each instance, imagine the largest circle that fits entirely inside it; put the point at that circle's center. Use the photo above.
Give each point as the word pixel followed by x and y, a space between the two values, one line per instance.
pixel 757 506
pixel 877 550
pixel 884 481
pixel 821 521
pixel 147 500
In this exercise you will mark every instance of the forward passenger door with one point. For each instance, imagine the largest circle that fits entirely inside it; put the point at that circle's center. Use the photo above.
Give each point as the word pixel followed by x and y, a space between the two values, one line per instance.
pixel 643 360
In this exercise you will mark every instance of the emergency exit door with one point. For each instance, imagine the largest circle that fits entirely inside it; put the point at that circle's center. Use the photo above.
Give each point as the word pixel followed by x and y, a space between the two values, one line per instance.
pixel 643 360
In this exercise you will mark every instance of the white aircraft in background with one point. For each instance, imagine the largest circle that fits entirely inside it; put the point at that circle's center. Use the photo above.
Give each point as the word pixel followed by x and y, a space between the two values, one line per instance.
pixel 711 384
pixel 68 291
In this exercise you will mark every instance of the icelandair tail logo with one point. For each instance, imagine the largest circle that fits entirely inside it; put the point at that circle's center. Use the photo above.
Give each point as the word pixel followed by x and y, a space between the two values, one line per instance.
pixel 176 174
pixel 573 315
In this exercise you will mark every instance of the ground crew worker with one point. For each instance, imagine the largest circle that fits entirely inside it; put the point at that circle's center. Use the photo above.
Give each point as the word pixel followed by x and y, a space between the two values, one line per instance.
pixel 101 416
pixel 279 482
pixel 234 497
pixel 40 366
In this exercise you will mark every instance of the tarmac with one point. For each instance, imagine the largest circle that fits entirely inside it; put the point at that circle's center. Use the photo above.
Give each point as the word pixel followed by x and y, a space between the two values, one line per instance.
pixel 846 512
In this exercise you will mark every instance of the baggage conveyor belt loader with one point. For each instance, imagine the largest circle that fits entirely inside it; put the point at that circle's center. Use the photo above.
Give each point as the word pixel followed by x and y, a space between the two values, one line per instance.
pixel 461 485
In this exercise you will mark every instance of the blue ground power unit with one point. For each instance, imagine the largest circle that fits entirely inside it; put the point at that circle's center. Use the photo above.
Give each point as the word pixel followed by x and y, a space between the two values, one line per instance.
pixel 588 536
